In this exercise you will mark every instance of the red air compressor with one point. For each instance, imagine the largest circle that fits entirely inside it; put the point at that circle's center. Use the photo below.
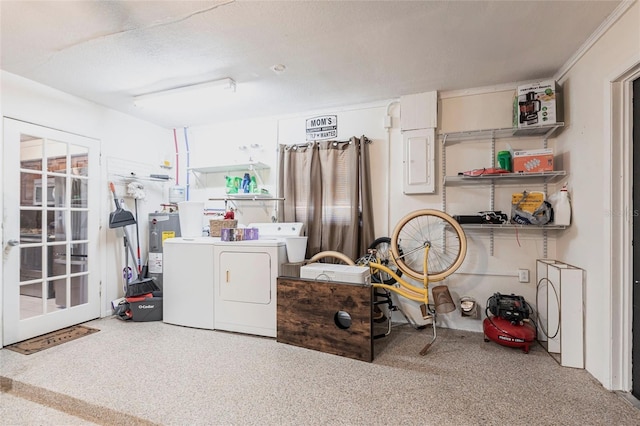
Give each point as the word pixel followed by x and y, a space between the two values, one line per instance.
pixel 507 322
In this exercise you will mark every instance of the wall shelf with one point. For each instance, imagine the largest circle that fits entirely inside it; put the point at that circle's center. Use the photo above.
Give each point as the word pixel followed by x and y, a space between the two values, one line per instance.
pixel 490 136
pixel 480 226
pixel 230 168
pixel 545 131
pixel 234 198
pixel 506 178
pixel 247 197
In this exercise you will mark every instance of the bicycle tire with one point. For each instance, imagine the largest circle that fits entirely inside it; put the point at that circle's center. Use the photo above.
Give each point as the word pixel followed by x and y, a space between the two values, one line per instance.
pixel 421 228
pixel 331 254
pixel 382 246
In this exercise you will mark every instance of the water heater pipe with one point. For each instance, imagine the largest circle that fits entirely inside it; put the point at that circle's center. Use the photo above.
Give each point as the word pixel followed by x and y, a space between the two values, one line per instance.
pixel 175 143
pixel 389 126
pixel 186 143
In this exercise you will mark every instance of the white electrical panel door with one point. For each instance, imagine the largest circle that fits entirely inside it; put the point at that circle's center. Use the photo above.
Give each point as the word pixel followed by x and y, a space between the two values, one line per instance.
pixel 419 111
pixel 419 161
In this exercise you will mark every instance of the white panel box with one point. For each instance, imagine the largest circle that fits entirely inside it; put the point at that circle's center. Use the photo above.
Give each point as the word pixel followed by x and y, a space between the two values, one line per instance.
pixel 419 162
pixel 419 111
pixel 560 306
pixel 336 272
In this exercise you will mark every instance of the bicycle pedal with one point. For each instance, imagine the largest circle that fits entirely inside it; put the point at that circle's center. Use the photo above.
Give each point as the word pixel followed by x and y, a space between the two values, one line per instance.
pixel 428 319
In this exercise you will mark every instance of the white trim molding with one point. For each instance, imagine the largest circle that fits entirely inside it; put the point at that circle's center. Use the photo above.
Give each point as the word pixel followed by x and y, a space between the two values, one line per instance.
pixel 619 228
pixel 597 34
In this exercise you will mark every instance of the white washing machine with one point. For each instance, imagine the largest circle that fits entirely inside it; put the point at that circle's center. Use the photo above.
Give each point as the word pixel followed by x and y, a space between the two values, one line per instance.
pixel 245 274
pixel 189 273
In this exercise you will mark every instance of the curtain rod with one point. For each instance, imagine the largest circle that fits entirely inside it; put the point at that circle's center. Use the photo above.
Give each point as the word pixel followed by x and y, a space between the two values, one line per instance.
pixel 334 143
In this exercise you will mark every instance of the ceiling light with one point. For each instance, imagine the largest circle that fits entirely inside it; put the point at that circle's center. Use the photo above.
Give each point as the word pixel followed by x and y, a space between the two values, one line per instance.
pixel 279 68
pixel 190 93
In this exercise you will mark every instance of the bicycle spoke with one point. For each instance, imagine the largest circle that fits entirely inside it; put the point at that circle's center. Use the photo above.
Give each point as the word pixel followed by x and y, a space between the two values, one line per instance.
pixel 426 230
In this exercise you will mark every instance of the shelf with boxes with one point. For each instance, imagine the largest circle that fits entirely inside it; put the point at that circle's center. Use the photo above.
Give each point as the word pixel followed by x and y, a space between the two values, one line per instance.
pixel 539 162
pixel 506 178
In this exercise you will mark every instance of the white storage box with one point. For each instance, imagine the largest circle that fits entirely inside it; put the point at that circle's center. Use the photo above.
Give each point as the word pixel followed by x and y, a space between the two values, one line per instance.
pixel 336 272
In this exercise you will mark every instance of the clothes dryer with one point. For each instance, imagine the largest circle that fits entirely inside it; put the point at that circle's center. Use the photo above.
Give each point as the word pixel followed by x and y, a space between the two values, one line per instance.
pixel 245 280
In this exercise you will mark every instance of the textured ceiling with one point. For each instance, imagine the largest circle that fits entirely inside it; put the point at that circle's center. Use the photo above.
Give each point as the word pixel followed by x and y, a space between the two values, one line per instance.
pixel 336 53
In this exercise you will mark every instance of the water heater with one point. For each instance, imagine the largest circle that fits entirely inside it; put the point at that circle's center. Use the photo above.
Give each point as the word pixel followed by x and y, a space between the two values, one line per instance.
pixel 161 227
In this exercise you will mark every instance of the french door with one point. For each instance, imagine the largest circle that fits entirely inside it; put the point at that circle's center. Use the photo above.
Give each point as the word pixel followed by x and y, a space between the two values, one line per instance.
pixel 51 227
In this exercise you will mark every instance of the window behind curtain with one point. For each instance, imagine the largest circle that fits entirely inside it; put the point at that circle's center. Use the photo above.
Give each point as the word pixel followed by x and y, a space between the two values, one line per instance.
pixel 321 186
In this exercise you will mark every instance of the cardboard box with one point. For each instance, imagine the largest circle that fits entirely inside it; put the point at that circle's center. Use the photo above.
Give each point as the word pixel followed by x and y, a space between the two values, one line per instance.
pixel 537 104
pixel 533 161
pixel 336 272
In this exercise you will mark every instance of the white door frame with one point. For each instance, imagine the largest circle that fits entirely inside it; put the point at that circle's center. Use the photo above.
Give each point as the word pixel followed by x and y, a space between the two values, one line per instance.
pixel 97 236
pixel 619 227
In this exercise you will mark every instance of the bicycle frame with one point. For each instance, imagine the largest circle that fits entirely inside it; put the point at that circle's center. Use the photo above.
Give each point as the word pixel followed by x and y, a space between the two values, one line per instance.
pixel 406 290
pixel 410 291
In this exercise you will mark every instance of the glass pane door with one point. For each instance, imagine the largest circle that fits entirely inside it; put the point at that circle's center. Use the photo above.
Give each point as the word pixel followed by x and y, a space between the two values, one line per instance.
pixel 50 259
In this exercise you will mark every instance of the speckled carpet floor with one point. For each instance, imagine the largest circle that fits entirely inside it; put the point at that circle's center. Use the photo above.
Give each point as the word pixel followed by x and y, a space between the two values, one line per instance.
pixel 156 373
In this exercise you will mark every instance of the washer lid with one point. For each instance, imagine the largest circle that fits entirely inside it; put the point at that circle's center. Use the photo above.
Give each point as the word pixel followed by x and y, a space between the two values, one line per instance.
pixel 278 230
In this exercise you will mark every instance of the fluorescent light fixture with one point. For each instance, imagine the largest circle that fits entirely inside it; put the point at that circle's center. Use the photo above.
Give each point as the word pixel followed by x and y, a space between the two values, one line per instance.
pixel 187 94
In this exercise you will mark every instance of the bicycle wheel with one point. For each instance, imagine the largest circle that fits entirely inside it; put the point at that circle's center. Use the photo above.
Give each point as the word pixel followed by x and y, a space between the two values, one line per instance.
pixel 382 246
pixel 436 230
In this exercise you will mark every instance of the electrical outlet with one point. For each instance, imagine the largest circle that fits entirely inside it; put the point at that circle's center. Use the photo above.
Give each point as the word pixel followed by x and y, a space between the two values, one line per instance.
pixel 523 275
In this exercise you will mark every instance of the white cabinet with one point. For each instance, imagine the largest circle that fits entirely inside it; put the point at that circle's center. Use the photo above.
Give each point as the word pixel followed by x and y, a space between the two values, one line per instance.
pixel 419 111
pixel 418 120
pixel 419 162
pixel 188 282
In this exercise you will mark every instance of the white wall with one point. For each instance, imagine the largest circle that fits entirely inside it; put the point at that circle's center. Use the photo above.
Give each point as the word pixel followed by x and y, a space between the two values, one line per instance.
pixel 357 120
pixel 220 145
pixel 579 150
pixel 481 274
pixel 234 143
pixel 127 145
pixel 586 148
pixel 583 148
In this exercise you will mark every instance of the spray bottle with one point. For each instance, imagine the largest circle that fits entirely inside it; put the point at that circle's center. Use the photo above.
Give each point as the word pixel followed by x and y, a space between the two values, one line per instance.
pixel 562 209
pixel 246 180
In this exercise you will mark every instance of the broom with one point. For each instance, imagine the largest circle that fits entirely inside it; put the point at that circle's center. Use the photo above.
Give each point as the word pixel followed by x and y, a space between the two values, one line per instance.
pixel 121 219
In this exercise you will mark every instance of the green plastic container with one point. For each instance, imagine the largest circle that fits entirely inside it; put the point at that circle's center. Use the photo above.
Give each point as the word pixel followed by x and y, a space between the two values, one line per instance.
pixel 504 160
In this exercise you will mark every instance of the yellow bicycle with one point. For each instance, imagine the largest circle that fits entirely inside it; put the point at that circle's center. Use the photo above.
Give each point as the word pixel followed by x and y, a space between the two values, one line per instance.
pixel 426 245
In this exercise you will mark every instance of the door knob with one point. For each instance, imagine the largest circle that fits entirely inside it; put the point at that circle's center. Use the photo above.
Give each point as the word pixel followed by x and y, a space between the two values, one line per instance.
pixel 13 243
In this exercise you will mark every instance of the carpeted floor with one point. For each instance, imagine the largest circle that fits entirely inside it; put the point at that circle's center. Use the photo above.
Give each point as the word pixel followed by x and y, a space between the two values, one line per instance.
pixel 155 373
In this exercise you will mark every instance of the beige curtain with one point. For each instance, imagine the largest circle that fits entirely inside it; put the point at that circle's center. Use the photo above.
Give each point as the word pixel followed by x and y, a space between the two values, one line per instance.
pixel 326 186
